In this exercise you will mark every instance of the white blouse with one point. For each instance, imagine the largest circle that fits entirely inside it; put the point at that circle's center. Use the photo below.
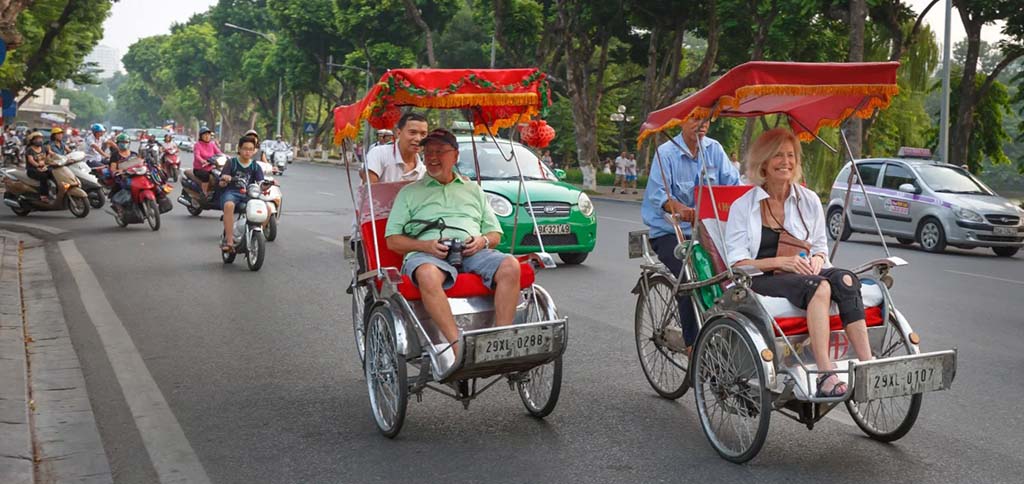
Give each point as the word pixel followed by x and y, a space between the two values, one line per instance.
pixel 743 230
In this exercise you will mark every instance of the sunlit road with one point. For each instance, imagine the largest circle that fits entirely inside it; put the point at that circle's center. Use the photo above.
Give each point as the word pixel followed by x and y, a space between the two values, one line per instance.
pixel 261 374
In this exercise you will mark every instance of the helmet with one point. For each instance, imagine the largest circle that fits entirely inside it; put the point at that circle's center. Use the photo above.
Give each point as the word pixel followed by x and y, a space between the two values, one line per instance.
pixel 122 138
pixel 56 131
pixel 204 130
pixel 74 132
pixel 33 135
pixel 384 132
pixel 117 128
pixel 96 128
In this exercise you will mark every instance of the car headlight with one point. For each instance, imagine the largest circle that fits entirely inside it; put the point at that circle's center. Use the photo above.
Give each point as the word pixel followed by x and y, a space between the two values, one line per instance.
pixel 967 215
pixel 585 205
pixel 501 206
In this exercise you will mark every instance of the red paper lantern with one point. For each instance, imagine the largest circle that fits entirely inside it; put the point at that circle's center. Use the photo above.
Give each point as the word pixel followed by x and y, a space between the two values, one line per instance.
pixel 537 134
pixel 387 119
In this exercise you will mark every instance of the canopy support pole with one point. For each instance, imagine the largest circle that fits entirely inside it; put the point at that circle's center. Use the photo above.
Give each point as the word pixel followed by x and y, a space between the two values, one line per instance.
pixel 867 200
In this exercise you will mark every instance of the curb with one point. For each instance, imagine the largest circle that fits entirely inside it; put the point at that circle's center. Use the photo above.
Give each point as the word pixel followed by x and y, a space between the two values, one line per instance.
pixel 59 435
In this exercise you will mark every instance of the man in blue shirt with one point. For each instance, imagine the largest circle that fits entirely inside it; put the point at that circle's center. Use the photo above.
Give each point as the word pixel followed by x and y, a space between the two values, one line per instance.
pixel 679 168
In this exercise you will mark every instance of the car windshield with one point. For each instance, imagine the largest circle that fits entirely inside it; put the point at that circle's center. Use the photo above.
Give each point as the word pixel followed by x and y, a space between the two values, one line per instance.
pixel 493 165
pixel 947 179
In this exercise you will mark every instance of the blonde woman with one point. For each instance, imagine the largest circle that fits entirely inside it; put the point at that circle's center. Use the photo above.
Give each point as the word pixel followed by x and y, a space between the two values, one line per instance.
pixel 779 207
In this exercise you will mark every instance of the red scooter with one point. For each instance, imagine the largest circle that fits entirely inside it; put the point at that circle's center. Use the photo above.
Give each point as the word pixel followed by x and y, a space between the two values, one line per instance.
pixel 144 199
pixel 170 165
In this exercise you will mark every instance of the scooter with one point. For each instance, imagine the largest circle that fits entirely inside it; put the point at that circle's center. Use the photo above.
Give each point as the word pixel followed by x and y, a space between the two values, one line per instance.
pixel 248 227
pixel 280 161
pixel 144 200
pixel 22 193
pixel 90 183
pixel 170 164
pixel 191 190
pixel 11 153
pixel 271 195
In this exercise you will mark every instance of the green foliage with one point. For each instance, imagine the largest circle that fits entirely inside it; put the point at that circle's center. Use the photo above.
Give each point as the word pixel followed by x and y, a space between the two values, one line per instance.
pixel 57 37
pixel 85 105
pixel 989 134
pixel 574 175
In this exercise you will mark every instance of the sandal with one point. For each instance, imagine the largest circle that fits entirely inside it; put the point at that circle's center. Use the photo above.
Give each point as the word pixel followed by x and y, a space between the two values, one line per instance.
pixel 834 392
pixel 228 249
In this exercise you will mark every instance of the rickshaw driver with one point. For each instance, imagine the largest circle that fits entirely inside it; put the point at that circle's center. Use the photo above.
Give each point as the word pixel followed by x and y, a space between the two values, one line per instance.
pixel 682 172
pixel 445 195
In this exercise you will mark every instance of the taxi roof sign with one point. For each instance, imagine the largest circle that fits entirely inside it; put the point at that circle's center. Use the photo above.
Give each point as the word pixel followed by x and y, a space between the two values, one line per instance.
pixel 908 152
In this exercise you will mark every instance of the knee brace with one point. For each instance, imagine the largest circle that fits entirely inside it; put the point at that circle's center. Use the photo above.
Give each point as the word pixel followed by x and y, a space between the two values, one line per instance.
pixel 846 294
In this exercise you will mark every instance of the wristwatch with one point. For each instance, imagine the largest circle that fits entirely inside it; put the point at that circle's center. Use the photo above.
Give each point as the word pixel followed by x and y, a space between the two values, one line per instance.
pixel 487 242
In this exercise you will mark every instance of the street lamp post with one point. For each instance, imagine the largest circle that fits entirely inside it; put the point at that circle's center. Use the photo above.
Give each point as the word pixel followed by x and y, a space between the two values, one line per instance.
pixel 619 116
pixel 280 80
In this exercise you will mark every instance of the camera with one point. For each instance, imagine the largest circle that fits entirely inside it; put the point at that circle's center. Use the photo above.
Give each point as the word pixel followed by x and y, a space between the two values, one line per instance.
pixel 455 247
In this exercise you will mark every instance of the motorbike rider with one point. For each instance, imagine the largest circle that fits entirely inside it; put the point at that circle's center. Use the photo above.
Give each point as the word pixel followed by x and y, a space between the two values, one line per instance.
pixel 118 155
pixel 261 155
pixel 244 168
pixel 111 140
pixel 203 150
pixel 384 137
pixel 57 144
pixel 95 146
pixel 35 165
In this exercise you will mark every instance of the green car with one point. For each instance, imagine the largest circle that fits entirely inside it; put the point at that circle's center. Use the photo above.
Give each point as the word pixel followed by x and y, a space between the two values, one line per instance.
pixel 565 215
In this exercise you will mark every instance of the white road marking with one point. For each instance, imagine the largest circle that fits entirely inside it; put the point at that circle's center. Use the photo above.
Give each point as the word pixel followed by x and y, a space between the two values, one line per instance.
pixel 329 194
pixel 634 222
pixel 331 240
pixel 168 448
pixel 985 277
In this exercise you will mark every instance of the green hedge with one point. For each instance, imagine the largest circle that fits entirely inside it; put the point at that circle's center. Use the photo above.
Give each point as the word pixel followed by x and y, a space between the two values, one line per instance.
pixel 574 175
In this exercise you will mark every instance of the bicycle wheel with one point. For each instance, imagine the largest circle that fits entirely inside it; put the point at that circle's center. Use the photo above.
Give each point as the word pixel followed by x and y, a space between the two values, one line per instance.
pixel 540 387
pixel 732 400
pixel 659 339
pixel 385 373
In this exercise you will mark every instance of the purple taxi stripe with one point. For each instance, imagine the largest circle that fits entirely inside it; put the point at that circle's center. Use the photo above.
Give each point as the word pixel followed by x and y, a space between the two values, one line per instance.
pixel 899 194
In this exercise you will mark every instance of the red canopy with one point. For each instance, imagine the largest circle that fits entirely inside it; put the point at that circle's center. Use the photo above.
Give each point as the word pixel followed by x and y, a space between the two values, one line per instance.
pixel 500 98
pixel 812 95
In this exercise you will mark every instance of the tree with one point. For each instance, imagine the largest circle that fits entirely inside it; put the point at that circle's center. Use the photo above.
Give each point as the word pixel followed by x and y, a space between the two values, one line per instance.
pixel 57 34
pixel 9 10
pixel 987 130
pixel 87 107
pixel 975 14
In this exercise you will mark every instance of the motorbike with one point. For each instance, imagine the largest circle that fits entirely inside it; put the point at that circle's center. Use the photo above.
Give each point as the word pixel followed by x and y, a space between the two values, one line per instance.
pixel 22 193
pixel 170 164
pixel 250 218
pixel 92 185
pixel 191 190
pixel 143 200
pixel 279 159
pixel 271 195
pixel 11 153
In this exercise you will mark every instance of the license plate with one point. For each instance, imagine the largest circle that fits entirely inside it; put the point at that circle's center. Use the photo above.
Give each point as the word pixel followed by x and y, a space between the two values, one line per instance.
pixel 926 373
pixel 513 343
pixel 553 229
pixel 1008 231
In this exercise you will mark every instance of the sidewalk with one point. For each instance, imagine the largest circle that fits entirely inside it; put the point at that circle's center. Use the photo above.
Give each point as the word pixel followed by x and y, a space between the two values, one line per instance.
pixel 47 429
pixel 605 193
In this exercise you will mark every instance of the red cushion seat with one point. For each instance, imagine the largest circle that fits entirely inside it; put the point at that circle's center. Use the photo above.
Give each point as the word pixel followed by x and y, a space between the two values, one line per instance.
pixel 466 285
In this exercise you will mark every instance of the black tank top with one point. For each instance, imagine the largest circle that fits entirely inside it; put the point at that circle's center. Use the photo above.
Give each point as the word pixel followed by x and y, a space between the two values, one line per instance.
pixel 769 243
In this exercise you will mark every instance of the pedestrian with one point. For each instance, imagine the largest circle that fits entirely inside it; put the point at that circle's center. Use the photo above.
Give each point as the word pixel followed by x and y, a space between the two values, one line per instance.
pixel 620 172
pixel 674 172
pixel 630 172
pixel 607 166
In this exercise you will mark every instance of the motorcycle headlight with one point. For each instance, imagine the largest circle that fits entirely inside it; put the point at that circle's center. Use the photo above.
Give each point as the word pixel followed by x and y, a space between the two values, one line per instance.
pixel 586 206
pixel 253 191
pixel 967 215
pixel 501 206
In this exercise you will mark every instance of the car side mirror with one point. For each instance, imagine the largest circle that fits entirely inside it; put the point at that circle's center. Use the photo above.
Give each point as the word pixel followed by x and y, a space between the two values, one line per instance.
pixel 907 188
pixel 559 173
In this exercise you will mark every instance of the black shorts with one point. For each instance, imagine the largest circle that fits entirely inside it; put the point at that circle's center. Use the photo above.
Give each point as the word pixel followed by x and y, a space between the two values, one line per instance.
pixel 798 289
pixel 203 176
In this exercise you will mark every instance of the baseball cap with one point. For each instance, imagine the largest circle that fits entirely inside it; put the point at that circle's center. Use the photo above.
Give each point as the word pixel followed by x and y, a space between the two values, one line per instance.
pixel 442 135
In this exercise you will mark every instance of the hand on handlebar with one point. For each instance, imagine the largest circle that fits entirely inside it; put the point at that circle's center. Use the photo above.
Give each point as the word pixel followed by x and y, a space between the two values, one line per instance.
pixel 678 211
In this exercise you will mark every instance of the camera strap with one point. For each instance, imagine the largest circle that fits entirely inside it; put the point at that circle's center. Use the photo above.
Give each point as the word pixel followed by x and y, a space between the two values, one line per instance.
pixel 428 225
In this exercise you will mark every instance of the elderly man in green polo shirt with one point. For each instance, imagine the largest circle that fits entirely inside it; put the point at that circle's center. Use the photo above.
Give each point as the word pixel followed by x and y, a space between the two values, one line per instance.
pixel 444 206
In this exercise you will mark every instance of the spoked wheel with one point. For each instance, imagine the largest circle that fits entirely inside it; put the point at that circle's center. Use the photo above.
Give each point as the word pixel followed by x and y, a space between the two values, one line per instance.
pixel 79 207
pixel 656 324
pixel 256 252
pixel 540 387
pixel 385 373
pixel 732 400
pixel 152 214
pixel 887 419
pixel 360 299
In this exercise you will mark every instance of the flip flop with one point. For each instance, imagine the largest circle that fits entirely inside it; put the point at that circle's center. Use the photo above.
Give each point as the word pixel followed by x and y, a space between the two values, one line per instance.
pixel 227 248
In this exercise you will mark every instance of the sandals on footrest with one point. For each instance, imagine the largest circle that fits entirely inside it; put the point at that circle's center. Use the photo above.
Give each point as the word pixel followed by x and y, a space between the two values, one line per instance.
pixel 834 392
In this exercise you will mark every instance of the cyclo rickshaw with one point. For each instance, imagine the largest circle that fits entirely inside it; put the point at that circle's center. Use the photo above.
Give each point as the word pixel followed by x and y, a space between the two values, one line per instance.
pixel 393 331
pixel 752 355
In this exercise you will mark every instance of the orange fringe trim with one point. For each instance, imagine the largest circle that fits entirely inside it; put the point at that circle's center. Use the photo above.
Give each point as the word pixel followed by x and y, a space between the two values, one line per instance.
pixel 881 97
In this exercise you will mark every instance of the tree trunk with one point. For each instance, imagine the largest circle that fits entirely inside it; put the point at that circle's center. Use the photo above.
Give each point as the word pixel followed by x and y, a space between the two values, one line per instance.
pixel 858 14
pixel 9 10
pixel 52 31
pixel 428 34
pixel 764 24
pixel 960 134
